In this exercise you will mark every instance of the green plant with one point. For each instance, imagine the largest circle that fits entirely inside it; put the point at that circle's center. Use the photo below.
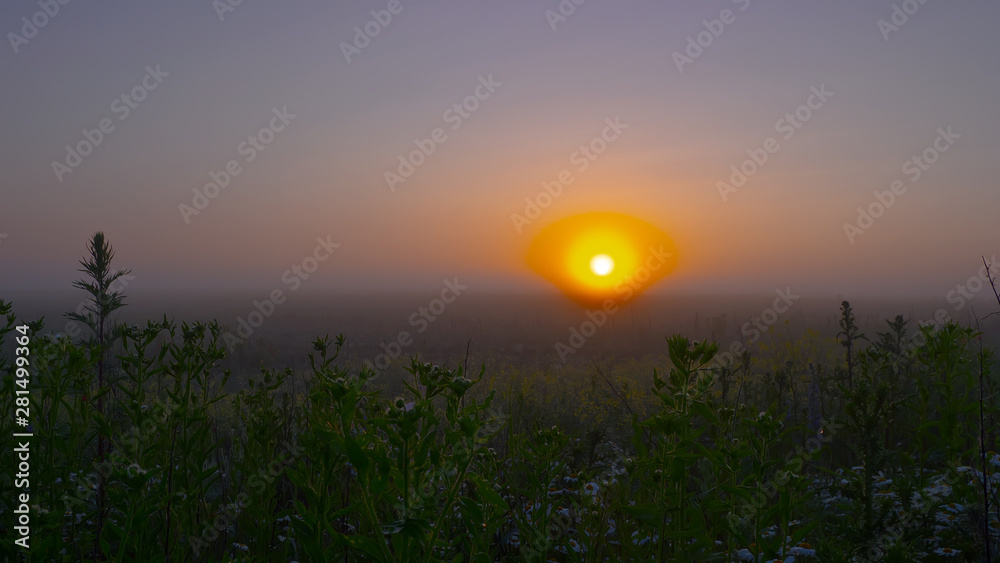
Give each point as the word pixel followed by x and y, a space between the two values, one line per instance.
pixel 104 301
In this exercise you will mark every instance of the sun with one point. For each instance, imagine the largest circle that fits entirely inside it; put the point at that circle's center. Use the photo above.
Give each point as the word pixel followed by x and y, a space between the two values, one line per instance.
pixel 602 264
pixel 599 256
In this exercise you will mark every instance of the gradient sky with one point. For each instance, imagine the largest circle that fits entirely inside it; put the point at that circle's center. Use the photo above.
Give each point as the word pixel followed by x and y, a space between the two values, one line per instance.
pixel 324 174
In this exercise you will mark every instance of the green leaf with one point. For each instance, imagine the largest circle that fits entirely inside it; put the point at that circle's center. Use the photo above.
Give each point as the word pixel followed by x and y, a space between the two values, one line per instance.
pixel 356 455
pixel 489 495
pixel 367 545
pixel 647 512
pixel 705 411
pixel 716 505
pixel 472 513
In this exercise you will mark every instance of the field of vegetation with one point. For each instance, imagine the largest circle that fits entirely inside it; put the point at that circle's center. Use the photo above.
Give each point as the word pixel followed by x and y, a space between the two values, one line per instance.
pixel 852 447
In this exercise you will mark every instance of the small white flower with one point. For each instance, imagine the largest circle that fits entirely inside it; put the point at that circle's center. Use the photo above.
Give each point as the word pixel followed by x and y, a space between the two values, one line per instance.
pixel 803 550
pixel 240 547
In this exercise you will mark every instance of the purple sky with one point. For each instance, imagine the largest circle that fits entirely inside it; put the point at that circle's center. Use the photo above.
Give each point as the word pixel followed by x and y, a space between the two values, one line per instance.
pixel 890 93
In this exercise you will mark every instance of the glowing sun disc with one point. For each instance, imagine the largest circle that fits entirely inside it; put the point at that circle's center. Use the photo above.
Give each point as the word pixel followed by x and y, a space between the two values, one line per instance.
pixel 602 264
pixel 602 257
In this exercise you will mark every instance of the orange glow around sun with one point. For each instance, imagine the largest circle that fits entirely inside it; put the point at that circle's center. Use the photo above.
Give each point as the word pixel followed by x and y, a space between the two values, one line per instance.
pixel 599 256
